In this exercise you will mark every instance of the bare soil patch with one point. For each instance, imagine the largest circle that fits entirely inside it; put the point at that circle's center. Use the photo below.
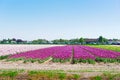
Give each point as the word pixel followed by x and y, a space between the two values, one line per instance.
pixel 84 69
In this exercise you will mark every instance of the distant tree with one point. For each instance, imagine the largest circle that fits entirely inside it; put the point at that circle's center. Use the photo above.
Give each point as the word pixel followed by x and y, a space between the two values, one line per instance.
pixel 9 40
pixel 60 41
pixel 105 40
pixel 81 40
pixel 115 39
pixel 19 41
pixel 74 41
pixel 40 41
pixel 102 40
pixel 55 41
pixel 13 39
pixel 4 41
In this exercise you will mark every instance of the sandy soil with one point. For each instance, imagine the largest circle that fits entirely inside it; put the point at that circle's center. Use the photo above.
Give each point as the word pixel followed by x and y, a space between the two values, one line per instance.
pixel 98 67
pixel 86 70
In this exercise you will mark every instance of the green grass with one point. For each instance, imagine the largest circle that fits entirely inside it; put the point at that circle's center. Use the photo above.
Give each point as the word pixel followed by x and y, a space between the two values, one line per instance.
pixel 49 73
pixel 107 60
pixel 54 75
pixel 107 76
pixel 26 60
pixel 60 60
pixel 90 61
pixel 76 76
pixel 97 78
pixel 45 71
pixel 111 76
pixel 10 73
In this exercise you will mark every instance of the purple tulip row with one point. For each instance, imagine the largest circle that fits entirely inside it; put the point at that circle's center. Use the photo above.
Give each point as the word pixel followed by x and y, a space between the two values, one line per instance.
pixel 65 52
pixel 82 54
pixel 101 52
pixel 40 53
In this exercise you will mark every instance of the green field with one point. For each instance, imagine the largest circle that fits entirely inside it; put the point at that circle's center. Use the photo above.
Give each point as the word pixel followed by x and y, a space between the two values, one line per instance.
pixel 52 75
pixel 108 47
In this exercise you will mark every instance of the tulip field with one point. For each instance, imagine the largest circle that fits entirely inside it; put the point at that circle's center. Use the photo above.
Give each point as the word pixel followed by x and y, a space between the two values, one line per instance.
pixel 85 54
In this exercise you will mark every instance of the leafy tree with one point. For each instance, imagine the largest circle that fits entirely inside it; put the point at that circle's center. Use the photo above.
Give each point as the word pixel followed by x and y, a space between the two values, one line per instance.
pixel 9 41
pixel 102 40
pixel 60 41
pixel 74 41
pixel 115 39
pixel 19 41
pixel 4 41
pixel 81 40
pixel 13 39
pixel 40 41
pixel 105 40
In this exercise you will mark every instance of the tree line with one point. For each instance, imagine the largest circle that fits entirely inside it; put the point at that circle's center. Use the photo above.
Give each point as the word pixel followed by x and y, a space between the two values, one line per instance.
pixel 82 41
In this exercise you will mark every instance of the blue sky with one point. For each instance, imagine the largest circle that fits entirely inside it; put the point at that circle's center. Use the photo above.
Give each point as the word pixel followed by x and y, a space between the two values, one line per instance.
pixel 51 19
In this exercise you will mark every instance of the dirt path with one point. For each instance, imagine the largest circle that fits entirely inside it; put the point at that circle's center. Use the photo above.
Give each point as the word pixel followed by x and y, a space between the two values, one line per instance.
pixel 58 66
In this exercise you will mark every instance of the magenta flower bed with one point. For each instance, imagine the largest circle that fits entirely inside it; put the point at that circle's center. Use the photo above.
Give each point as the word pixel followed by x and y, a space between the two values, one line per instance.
pixel 102 53
pixel 82 54
pixel 37 54
pixel 65 52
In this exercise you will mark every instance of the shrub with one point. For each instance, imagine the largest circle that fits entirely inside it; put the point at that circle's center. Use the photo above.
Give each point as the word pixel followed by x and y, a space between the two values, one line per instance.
pixel 4 57
pixel 61 76
pixel 97 78
pixel 76 76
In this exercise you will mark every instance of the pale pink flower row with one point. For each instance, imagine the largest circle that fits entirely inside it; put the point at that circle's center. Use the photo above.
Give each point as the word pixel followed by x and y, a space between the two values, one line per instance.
pixel 13 49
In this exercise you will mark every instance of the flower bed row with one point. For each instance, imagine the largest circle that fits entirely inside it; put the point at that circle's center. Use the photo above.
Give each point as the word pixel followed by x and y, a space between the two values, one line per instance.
pixel 64 53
